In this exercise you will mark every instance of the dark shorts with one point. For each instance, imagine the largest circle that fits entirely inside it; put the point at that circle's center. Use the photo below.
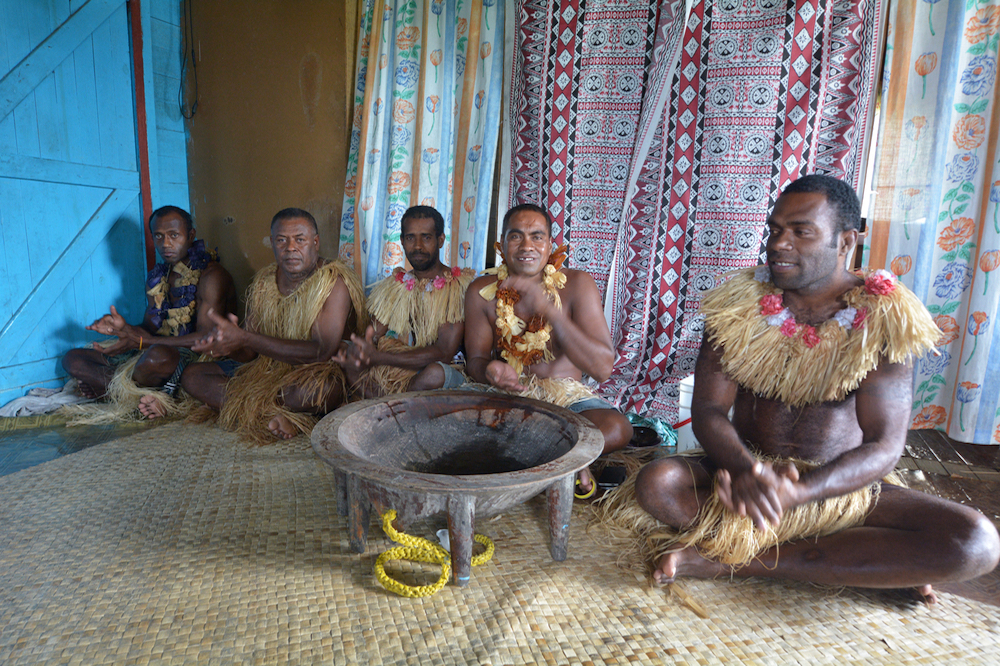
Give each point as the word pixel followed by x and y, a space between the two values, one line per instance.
pixel 228 366
pixel 453 378
pixel 587 404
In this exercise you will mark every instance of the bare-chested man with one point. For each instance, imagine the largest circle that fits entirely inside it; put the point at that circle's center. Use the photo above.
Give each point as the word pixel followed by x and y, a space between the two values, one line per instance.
pixel 417 318
pixel 181 291
pixel 795 319
pixel 551 329
pixel 298 310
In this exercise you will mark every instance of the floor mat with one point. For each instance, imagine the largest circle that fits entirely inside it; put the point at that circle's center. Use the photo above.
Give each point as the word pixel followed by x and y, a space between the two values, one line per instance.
pixel 183 544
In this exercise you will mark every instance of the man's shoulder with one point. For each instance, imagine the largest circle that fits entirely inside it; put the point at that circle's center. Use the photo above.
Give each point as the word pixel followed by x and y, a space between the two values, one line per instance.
pixel 216 271
pixel 483 281
pixel 579 283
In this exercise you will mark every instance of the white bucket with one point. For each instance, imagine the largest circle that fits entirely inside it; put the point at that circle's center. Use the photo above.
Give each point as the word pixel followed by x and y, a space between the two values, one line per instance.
pixel 685 435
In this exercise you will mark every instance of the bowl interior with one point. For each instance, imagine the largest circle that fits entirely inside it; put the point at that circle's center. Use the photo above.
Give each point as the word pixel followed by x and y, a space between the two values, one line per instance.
pixel 457 435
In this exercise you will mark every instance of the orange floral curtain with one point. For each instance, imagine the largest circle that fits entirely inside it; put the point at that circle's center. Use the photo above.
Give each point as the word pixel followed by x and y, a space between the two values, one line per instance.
pixel 935 218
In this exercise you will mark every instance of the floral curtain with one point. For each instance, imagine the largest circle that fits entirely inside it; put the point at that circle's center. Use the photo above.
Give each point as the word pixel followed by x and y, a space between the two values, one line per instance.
pixel 935 221
pixel 426 121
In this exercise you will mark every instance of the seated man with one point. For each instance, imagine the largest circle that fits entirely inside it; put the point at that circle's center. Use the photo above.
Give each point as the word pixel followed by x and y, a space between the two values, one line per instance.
pixel 815 361
pixel 297 312
pixel 143 367
pixel 546 325
pixel 417 318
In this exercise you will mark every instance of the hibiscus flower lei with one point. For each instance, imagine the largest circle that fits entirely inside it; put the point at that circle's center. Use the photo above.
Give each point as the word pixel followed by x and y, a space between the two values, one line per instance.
pixel 522 344
pixel 410 281
pixel 173 308
pixel 878 283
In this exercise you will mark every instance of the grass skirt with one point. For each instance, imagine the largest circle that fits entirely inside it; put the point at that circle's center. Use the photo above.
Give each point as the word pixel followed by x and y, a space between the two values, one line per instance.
pixel 122 404
pixel 719 534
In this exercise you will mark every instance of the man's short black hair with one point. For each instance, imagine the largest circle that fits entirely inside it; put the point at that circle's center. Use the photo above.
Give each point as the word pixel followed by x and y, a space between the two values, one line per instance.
pixel 534 208
pixel 839 195
pixel 423 213
pixel 167 210
pixel 294 214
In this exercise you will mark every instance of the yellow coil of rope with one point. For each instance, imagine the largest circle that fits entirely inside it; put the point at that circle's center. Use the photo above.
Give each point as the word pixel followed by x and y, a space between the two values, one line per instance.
pixel 417 549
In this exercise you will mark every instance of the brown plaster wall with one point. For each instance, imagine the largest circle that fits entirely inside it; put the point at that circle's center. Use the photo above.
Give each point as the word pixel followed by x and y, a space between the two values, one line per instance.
pixel 272 128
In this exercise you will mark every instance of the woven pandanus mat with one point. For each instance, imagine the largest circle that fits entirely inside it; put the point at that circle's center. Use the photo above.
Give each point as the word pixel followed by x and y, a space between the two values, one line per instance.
pixel 182 544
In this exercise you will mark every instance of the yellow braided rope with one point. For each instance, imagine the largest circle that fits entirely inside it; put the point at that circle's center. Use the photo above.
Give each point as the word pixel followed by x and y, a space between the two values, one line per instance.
pixel 417 549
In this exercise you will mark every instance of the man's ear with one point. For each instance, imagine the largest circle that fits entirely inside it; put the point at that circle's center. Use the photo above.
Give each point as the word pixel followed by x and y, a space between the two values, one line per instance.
pixel 848 243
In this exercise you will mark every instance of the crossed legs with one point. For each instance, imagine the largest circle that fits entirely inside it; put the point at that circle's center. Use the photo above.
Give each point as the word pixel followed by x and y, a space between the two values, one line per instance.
pixel 93 371
pixel 909 540
pixel 207 382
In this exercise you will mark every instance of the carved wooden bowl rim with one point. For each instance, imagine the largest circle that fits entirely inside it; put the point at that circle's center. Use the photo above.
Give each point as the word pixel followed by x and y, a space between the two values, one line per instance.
pixel 326 443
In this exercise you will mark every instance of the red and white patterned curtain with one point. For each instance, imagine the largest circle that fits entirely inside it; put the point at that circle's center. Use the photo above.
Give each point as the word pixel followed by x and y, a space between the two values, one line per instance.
pixel 581 74
pixel 659 148
pixel 765 91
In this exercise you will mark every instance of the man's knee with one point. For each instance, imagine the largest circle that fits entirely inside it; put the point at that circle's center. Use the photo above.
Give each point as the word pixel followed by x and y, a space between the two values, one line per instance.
pixel 71 361
pixel 76 360
pixel 158 360
pixel 431 377
pixel 976 545
pixel 659 479
pixel 194 376
pixel 314 402
pixel 614 426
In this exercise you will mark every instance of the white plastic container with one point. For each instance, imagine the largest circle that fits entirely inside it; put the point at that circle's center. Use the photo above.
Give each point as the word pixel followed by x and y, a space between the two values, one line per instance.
pixel 685 435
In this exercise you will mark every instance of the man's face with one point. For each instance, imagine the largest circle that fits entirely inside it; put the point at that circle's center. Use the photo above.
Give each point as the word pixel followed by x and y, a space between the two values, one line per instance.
pixel 421 243
pixel 171 237
pixel 802 248
pixel 295 245
pixel 527 244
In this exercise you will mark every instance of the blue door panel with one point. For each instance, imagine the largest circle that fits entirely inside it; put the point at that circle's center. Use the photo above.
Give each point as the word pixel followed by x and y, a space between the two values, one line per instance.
pixel 71 234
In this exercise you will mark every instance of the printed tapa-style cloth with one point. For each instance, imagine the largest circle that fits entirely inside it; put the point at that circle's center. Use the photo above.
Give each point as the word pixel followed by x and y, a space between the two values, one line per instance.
pixel 580 85
pixel 935 216
pixel 765 92
pixel 426 123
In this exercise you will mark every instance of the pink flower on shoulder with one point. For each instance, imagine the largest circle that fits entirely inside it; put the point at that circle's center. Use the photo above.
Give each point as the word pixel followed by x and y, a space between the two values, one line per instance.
pixel 440 282
pixel 809 336
pixel 455 271
pixel 771 305
pixel 859 319
pixel 789 328
pixel 410 284
pixel 880 283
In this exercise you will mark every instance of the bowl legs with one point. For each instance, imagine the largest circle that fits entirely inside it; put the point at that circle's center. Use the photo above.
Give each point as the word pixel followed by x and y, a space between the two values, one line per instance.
pixel 559 498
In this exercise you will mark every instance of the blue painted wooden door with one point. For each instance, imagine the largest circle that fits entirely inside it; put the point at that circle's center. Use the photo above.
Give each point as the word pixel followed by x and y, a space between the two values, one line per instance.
pixel 71 237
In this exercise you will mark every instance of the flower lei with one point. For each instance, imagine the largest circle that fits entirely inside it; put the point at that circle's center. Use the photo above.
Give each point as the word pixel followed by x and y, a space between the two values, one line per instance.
pixel 878 283
pixel 522 344
pixel 173 308
pixel 410 281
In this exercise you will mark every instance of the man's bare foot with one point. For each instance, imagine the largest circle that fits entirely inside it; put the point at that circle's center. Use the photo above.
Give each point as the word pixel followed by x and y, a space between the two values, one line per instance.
pixel 926 594
pixel 282 428
pixel 584 483
pixel 151 408
pixel 687 562
pixel 86 391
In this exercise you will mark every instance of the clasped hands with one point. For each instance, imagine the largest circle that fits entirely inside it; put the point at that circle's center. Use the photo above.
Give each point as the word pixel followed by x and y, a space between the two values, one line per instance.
pixel 763 493
pixel 114 324
pixel 225 337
